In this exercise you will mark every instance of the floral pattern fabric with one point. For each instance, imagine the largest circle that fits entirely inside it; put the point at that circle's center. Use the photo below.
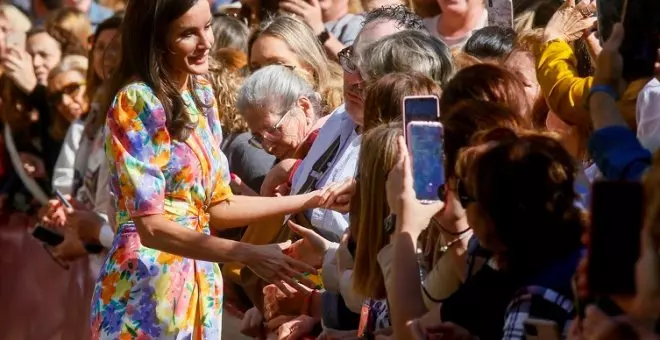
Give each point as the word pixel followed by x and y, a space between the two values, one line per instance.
pixel 143 293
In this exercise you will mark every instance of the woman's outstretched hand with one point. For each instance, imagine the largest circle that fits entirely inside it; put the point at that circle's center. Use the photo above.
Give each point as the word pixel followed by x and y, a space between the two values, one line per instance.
pixel 271 264
pixel 311 248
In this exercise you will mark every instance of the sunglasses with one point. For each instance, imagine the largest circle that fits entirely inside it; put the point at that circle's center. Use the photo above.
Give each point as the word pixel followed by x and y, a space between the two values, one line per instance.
pixel 345 58
pixel 463 196
pixel 70 90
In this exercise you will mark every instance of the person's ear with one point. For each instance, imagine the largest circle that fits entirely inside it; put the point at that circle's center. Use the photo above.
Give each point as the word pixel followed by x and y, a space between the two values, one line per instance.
pixel 305 104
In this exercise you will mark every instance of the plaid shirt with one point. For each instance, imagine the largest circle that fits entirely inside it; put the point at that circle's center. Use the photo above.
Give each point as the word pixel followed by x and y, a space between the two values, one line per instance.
pixel 534 302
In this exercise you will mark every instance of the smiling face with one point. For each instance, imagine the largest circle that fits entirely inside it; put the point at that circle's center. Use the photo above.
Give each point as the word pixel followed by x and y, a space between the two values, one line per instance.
pixel 104 47
pixel 46 54
pixel 67 94
pixel 269 50
pixel 189 40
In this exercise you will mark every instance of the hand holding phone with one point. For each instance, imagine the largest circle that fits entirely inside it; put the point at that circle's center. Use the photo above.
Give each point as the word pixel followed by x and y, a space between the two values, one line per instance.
pixel 65 202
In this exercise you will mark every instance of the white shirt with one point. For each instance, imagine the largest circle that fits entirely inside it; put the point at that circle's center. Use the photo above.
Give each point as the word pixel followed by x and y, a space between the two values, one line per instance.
pixel 343 166
pixel 431 25
pixel 63 173
pixel 648 110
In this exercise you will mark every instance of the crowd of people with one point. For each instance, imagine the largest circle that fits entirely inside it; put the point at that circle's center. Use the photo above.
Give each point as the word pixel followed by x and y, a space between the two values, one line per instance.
pixel 204 158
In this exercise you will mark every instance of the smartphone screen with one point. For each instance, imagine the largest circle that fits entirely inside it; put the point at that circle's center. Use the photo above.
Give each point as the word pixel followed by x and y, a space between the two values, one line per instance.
pixel 425 143
pixel 421 109
pixel 47 236
pixel 642 31
pixel 500 13
pixel 617 210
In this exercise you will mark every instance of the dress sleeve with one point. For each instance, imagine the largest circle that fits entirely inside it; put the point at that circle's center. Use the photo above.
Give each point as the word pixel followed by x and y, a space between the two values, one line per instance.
pixel 138 147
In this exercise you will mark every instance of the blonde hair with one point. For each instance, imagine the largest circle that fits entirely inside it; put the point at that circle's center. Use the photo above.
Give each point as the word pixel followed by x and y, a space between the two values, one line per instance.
pixel 74 21
pixel 18 21
pixel 378 155
pixel 70 63
pixel 117 5
pixel 531 14
pixel 326 76
pixel 226 77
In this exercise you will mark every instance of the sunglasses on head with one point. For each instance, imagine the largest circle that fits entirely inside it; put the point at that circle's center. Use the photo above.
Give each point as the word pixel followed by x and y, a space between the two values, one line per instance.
pixel 71 90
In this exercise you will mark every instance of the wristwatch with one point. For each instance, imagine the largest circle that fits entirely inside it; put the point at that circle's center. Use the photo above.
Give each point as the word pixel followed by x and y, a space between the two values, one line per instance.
pixel 323 36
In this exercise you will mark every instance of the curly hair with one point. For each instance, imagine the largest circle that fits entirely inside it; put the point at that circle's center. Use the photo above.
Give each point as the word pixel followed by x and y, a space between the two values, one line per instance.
pixel 225 74
pixel 400 14
pixel 69 43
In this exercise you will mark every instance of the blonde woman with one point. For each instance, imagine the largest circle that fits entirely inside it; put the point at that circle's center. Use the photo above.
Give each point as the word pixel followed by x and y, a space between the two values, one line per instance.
pixel 74 21
pixel 288 41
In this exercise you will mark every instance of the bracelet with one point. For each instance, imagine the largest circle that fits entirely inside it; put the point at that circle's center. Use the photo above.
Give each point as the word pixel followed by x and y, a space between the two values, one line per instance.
pixel 607 89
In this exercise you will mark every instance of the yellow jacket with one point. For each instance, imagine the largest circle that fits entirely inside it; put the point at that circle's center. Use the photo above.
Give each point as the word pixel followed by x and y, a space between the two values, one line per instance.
pixel 566 92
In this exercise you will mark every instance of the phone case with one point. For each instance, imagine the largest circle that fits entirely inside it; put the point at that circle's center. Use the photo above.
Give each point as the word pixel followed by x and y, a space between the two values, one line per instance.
pixel 47 236
pixel 500 13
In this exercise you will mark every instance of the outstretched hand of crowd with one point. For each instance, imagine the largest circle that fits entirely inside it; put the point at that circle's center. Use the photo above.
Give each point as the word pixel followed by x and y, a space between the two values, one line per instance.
pixel 570 21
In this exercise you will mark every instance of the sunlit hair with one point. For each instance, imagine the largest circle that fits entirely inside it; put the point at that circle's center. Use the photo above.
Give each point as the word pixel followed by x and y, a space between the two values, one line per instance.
pixel 226 77
pixel 384 98
pixel 68 42
pixel 117 5
pixel 230 32
pixel 463 60
pixel 531 14
pixel 491 42
pixel 524 186
pixel 468 118
pixel 94 81
pixel 326 76
pixel 17 20
pixel 486 82
pixel 407 51
pixel 378 156
pixel 143 57
pixel 72 63
pixel 72 20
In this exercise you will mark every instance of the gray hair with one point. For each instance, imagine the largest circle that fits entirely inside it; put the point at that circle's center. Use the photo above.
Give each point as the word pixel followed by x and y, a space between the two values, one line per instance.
pixel 275 88
pixel 407 51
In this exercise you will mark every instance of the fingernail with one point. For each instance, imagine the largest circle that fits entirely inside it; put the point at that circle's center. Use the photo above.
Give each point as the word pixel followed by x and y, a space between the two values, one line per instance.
pixel 233 176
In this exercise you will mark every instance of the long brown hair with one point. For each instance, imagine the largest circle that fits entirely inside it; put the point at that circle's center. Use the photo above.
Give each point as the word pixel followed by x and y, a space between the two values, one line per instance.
pixel 143 49
pixel 378 155
pixel 384 97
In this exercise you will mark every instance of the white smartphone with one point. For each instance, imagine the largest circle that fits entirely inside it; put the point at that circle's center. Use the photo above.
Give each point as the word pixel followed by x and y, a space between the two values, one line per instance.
pixel 420 109
pixel 500 13
pixel 538 329
pixel 425 145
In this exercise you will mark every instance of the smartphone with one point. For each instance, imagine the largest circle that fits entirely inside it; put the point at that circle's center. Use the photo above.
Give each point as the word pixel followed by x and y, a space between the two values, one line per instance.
pixel 537 329
pixel 500 13
pixel 47 235
pixel 420 109
pixel 53 238
pixel 63 199
pixel 425 145
pixel 16 39
pixel 617 214
pixel 642 32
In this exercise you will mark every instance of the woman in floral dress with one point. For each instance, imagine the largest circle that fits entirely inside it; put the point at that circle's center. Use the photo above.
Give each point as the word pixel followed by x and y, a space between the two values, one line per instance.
pixel 161 279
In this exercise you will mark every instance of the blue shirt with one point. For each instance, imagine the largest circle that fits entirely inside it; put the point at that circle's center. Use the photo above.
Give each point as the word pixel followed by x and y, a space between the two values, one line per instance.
pixel 618 154
pixel 96 13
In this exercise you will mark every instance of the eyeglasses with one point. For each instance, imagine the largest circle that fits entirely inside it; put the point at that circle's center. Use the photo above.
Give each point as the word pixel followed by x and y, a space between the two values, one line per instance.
pixel 463 195
pixel 274 133
pixel 71 90
pixel 345 57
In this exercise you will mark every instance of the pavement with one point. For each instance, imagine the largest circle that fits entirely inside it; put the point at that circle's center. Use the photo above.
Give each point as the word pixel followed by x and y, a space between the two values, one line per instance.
pixel 231 327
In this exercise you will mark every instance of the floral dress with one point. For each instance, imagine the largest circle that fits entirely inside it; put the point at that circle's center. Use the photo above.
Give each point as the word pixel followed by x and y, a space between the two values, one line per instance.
pixel 143 293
